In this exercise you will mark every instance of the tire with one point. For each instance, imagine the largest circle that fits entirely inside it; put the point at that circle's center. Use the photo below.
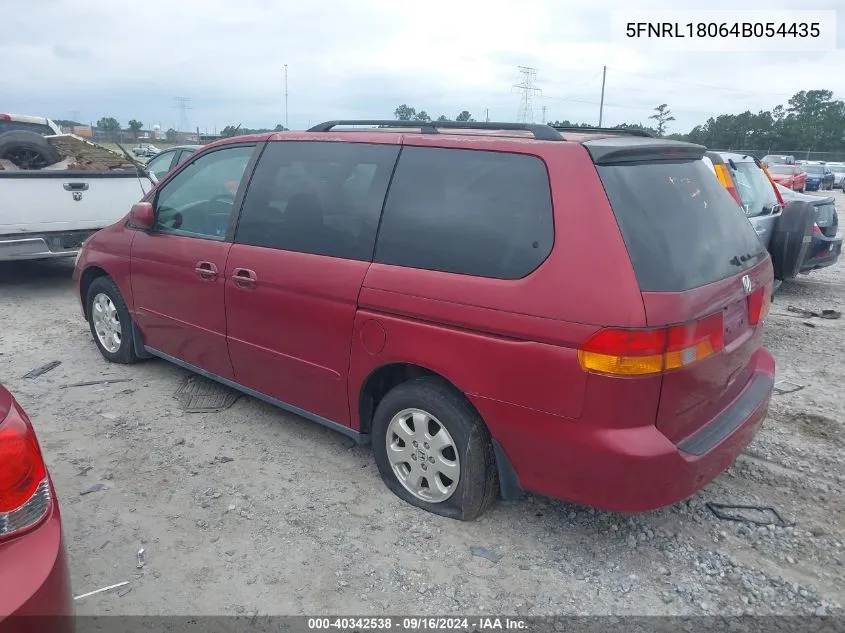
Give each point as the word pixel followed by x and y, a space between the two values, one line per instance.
pixel 27 150
pixel 103 292
pixel 791 238
pixel 471 448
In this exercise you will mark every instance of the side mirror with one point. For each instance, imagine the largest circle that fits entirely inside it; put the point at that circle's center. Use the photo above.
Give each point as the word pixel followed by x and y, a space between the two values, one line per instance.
pixel 142 216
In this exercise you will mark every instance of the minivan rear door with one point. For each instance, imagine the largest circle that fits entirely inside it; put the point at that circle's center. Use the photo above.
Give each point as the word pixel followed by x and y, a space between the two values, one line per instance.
pixel 698 262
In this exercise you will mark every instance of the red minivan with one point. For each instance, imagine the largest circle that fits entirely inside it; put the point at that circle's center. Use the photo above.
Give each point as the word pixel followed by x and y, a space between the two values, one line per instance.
pixel 495 307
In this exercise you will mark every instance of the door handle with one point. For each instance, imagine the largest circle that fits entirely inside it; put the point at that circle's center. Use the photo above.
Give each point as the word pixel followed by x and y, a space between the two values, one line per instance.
pixel 244 277
pixel 206 270
pixel 76 186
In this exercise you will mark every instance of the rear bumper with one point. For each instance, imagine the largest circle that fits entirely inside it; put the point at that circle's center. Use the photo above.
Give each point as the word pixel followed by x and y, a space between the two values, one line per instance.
pixel 626 470
pixel 824 251
pixel 35 590
pixel 42 246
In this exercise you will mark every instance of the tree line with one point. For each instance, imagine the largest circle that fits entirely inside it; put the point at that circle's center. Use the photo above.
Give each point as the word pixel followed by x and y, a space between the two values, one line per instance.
pixel 811 121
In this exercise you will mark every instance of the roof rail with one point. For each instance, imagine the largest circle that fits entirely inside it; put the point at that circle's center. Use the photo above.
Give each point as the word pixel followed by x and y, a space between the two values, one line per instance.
pixel 609 130
pixel 541 132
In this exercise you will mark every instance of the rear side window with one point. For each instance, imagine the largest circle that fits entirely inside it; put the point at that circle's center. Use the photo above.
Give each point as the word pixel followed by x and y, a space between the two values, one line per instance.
pixel 755 190
pixel 682 228
pixel 316 197
pixel 471 212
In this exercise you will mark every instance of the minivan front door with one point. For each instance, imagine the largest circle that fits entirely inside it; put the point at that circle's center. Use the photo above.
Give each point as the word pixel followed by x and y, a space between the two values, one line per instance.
pixel 177 268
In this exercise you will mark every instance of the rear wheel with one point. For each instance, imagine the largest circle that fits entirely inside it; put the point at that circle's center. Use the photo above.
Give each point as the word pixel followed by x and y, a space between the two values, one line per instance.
pixel 110 322
pixel 433 450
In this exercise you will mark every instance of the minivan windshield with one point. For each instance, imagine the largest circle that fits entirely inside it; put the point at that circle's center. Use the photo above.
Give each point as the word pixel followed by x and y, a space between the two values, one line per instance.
pixel 681 226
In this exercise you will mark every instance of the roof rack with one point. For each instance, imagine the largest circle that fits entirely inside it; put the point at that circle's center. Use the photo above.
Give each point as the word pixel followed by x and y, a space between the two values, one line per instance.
pixel 541 132
pixel 608 130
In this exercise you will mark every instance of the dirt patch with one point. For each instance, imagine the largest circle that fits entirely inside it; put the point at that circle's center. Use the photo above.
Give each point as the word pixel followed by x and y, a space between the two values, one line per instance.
pixel 817 426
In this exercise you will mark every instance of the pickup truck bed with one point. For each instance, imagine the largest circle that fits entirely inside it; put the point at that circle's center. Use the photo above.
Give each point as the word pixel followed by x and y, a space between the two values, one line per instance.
pixel 46 213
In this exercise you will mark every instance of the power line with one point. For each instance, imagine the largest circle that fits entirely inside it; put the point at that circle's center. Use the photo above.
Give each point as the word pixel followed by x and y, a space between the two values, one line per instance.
pixel 529 89
pixel 708 86
pixel 183 103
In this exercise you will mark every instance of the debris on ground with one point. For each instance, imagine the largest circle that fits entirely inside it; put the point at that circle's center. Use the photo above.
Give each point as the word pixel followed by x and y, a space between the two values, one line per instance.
pixel 85 155
pixel 94 382
pixel 141 560
pixel 102 590
pixel 785 386
pixel 92 489
pixel 201 395
pixel 40 371
pixel 809 314
pixel 483 552
pixel 765 515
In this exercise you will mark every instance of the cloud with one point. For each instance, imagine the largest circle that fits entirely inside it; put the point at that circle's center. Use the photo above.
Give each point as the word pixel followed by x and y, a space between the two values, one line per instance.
pixel 362 59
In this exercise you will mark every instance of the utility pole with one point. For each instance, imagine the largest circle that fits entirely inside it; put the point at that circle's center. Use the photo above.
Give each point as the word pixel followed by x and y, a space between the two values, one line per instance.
pixel 487 115
pixel 529 89
pixel 601 104
pixel 286 97
pixel 183 103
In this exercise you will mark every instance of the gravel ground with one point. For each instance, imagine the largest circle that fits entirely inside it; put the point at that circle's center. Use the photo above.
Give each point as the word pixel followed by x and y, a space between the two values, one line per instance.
pixel 253 510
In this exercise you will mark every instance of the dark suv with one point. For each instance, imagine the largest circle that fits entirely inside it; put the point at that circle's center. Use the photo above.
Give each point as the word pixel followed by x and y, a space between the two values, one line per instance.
pixel 496 307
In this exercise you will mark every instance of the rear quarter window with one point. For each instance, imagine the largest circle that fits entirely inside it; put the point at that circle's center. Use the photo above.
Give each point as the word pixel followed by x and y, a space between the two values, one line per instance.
pixel 471 212
pixel 681 227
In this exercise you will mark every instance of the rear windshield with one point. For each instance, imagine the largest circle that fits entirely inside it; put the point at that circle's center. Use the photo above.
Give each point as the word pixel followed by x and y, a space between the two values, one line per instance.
pixel 781 169
pixel 14 126
pixel 754 188
pixel 681 226
pixel 814 169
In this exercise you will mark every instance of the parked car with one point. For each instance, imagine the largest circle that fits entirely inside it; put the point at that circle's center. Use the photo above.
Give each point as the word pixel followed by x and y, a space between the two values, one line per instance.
pixel 790 176
pixel 778 159
pixel 838 170
pixel 819 177
pixel 747 182
pixel 34 579
pixel 827 243
pixel 168 159
pixel 145 149
pixel 434 302
pixel 47 212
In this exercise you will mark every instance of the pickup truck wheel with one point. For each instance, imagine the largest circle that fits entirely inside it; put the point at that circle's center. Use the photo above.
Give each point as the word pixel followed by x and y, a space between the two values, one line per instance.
pixel 433 450
pixel 110 321
pixel 27 150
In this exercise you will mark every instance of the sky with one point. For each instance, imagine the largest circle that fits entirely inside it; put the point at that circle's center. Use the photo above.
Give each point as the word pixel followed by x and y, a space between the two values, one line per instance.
pixel 362 58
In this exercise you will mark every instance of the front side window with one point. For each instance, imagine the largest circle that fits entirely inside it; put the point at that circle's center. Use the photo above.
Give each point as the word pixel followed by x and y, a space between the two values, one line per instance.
pixel 315 197
pixel 198 201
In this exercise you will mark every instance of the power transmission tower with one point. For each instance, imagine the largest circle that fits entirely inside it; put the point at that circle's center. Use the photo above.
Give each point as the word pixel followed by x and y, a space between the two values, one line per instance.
pixel 529 89
pixel 287 127
pixel 183 103
pixel 74 116
pixel 544 115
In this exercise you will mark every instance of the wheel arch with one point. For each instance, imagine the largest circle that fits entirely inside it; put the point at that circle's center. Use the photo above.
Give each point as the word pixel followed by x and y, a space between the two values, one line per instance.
pixel 85 280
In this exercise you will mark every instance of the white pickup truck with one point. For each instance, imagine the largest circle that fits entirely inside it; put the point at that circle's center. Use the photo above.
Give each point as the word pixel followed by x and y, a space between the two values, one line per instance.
pixel 49 210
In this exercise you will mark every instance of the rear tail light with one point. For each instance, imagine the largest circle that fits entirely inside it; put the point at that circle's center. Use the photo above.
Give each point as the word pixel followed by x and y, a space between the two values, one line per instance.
pixel 643 352
pixel 759 303
pixel 816 229
pixel 24 488
pixel 727 181
pixel 5 117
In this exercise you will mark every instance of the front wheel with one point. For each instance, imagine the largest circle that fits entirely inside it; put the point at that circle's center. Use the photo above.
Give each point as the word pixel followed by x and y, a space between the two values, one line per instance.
pixel 110 322
pixel 433 450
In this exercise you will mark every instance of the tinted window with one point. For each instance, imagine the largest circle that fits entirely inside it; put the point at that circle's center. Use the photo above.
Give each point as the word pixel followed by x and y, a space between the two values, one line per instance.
pixel 756 192
pixel 38 128
pixel 198 201
pixel 464 211
pixel 319 198
pixel 681 226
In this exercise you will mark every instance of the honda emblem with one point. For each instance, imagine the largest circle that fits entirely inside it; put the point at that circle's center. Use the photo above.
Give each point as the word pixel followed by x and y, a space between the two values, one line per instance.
pixel 746 284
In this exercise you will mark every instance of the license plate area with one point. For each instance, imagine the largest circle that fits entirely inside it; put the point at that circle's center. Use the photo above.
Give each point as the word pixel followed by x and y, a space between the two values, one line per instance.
pixel 735 316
